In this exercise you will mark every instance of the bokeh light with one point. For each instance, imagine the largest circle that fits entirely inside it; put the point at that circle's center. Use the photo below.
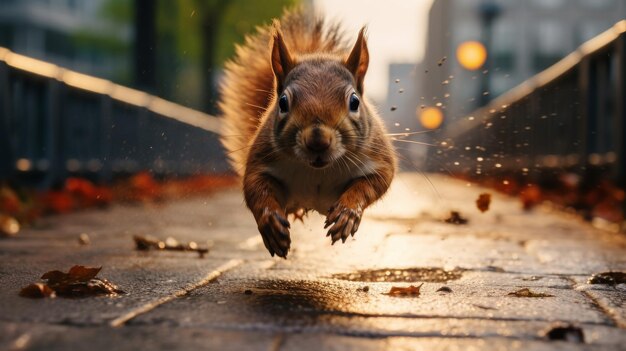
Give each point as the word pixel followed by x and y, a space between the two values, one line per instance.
pixel 430 117
pixel 471 55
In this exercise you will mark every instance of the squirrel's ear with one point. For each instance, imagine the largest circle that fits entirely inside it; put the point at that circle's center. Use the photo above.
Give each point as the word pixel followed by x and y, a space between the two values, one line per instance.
pixel 281 59
pixel 358 60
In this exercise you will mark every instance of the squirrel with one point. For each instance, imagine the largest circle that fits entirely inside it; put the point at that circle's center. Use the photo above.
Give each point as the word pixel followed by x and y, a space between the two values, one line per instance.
pixel 297 128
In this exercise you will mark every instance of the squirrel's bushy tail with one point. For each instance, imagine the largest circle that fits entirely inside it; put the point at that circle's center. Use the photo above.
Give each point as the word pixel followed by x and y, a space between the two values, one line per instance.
pixel 248 85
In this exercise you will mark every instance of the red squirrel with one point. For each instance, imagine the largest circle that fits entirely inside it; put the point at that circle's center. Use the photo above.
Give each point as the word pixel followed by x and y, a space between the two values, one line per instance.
pixel 299 131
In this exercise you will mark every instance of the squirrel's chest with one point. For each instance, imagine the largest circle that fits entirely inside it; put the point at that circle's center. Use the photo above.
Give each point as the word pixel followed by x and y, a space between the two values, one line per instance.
pixel 311 188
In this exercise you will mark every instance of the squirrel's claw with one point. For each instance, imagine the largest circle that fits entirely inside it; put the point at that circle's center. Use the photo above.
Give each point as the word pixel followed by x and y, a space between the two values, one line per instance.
pixel 345 222
pixel 300 214
pixel 274 229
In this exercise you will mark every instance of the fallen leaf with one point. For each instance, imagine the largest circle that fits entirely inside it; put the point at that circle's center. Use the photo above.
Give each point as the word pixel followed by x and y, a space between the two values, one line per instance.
pixel 482 307
pixel 444 289
pixel 405 291
pixel 565 332
pixel 144 243
pixel 37 290
pixel 483 202
pixel 525 292
pixel 80 281
pixel 609 278
pixel 77 274
pixel 455 218
pixel 530 196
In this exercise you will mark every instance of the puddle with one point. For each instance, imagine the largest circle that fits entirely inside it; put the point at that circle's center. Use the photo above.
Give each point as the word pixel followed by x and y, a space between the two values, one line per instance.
pixel 433 275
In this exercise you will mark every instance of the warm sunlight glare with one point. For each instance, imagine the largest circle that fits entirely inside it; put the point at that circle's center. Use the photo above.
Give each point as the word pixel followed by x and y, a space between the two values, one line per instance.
pixel 471 55
pixel 430 117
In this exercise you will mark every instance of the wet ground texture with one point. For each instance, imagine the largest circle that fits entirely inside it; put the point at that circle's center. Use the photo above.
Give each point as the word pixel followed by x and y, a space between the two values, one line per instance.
pixel 505 280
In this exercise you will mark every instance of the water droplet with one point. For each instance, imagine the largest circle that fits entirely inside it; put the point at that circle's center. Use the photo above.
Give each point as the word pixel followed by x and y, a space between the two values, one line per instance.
pixel 479 159
pixel 498 165
pixel 396 124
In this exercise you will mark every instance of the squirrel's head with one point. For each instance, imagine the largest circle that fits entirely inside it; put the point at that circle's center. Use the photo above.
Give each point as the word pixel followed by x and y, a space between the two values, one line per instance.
pixel 319 114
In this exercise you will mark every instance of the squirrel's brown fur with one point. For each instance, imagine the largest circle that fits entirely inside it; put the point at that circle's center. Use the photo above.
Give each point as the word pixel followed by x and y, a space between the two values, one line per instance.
pixel 248 85
pixel 298 130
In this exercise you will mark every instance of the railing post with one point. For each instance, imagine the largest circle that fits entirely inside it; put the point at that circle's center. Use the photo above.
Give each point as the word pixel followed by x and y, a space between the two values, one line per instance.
pixel 584 81
pixel 106 109
pixel 53 151
pixel 7 159
pixel 620 109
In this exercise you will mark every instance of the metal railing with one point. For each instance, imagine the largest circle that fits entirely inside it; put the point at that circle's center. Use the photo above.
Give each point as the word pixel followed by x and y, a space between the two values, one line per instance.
pixel 571 116
pixel 56 122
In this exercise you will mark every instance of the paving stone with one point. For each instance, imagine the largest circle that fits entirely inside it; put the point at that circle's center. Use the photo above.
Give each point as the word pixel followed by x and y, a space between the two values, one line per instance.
pixel 299 304
pixel 308 342
pixel 62 338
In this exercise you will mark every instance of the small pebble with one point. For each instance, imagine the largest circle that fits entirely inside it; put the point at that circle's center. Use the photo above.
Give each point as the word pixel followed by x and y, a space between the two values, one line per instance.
pixel 248 292
pixel 393 108
pixel 83 239
pixel 445 289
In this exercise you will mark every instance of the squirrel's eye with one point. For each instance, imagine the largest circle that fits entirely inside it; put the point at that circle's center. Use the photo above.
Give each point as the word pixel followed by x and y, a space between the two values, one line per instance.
pixel 283 104
pixel 354 103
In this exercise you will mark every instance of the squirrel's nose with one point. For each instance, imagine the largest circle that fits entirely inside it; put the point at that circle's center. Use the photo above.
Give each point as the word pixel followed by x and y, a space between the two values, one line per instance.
pixel 317 141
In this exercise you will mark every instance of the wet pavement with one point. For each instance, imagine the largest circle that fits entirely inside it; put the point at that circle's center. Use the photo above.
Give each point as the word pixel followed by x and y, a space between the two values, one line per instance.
pixel 323 297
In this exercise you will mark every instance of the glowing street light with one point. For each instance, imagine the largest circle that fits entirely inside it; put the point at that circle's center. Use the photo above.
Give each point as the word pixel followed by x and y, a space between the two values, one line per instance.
pixel 471 55
pixel 430 117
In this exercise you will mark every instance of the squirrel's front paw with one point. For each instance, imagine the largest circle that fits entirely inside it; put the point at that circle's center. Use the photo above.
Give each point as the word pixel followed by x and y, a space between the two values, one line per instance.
pixel 346 222
pixel 274 229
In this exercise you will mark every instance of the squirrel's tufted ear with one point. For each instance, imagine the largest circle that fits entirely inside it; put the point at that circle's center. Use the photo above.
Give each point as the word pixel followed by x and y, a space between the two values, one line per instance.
pixel 358 60
pixel 281 59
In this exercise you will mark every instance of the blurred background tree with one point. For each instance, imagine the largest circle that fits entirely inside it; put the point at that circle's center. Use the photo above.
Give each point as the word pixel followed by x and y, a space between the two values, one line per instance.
pixel 181 51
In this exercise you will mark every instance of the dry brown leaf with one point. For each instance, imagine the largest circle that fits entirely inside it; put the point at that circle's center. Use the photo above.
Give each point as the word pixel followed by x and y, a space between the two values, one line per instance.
pixel 525 292
pixel 609 278
pixel 483 201
pixel 37 290
pixel 405 291
pixel 144 243
pixel 455 218
pixel 80 281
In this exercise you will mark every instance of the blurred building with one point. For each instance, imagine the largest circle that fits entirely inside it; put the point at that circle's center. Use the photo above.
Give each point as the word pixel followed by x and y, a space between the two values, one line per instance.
pixel 522 38
pixel 71 33
pixel 399 111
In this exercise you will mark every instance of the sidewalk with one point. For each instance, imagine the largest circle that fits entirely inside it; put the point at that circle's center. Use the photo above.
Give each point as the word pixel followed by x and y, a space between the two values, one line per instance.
pixel 322 297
